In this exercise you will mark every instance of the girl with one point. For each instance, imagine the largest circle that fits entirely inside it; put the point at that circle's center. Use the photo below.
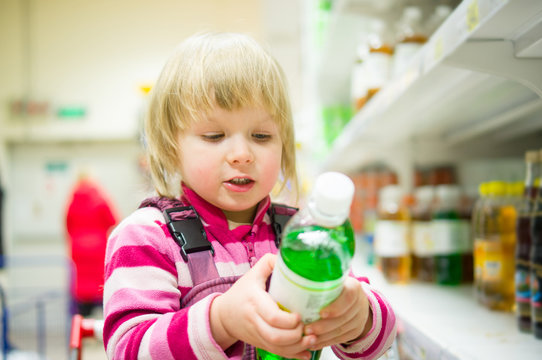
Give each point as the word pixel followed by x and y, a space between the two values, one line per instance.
pixel 220 126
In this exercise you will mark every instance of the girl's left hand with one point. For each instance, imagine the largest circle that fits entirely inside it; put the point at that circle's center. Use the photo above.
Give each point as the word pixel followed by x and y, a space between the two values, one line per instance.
pixel 347 318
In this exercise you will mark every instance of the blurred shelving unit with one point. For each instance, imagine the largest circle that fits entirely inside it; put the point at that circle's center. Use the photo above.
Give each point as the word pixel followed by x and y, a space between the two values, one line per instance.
pixel 479 76
pixel 474 90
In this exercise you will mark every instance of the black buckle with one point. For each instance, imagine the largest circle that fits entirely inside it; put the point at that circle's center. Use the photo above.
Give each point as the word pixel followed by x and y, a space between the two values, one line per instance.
pixel 188 232
pixel 279 221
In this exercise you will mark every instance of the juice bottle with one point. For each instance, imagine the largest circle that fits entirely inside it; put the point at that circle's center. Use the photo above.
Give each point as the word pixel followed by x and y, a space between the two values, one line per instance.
pixel 423 246
pixel 446 232
pixel 315 253
pixel 536 262
pixel 498 268
pixel 392 244
pixel 523 246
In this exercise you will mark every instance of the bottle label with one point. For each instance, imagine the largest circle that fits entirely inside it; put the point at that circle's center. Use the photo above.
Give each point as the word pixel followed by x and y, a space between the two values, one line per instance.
pixel 523 287
pixel 493 262
pixel 423 244
pixel 446 234
pixel 536 292
pixel 297 294
pixel 391 238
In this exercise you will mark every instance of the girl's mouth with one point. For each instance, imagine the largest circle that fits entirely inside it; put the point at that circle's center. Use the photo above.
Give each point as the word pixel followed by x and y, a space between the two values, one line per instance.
pixel 239 184
pixel 240 181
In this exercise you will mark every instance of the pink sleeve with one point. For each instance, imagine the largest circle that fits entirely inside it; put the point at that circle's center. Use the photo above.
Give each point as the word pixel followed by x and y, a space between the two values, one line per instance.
pixel 142 297
pixel 382 334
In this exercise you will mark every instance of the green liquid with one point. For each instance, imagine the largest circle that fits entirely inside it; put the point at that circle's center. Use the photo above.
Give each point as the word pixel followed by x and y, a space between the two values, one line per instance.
pixel 323 256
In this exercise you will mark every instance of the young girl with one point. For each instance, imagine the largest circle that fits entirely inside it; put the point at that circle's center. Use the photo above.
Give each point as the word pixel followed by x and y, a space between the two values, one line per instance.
pixel 219 133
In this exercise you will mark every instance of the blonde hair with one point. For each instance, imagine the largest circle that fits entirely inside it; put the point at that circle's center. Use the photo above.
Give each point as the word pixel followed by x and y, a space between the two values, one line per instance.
pixel 206 70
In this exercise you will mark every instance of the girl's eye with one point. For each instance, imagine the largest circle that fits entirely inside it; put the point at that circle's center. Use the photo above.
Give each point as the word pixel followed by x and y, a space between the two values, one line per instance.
pixel 261 137
pixel 213 137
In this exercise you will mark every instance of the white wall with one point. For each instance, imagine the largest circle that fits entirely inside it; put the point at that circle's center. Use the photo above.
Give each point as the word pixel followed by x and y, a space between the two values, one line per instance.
pixel 96 54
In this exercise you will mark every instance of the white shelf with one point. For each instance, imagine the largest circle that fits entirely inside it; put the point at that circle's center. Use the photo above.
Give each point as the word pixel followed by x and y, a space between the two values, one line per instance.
pixel 480 74
pixel 438 322
pixel 66 131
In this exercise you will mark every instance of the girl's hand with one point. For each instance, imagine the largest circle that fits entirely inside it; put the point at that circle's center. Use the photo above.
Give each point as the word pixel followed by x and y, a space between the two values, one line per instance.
pixel 347 318
pixel 246 312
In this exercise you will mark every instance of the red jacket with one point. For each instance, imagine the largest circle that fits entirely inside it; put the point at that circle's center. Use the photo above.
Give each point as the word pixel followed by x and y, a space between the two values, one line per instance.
pixel 89 218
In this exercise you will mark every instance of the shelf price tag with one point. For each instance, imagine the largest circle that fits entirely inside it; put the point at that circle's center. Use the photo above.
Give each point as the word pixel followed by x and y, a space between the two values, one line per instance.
pixel 473 15
pixel 438 49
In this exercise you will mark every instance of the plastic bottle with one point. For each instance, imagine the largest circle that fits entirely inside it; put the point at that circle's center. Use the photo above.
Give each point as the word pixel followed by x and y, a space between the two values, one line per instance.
pixel 315 253
pixel 379 59
pixel 359 82
pixel 410 38
pixel 498 268
pixel 392 242
pixel 422 242
pixel 536 261
pixel 523 245
pixel 446 231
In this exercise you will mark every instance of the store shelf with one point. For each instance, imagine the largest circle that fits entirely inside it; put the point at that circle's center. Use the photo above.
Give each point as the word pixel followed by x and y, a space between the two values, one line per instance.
pixel 437 322
pixel 479 75
pixel 58 131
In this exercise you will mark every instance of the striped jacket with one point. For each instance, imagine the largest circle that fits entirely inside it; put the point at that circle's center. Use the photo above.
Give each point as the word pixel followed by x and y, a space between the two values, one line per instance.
pixel 146 280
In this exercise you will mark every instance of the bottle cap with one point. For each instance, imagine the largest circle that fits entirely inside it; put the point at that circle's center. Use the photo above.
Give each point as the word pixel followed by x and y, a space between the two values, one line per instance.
pixel 331 198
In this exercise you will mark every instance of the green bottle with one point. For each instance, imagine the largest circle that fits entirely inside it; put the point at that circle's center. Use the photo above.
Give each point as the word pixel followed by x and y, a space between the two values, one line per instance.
pixel 315 253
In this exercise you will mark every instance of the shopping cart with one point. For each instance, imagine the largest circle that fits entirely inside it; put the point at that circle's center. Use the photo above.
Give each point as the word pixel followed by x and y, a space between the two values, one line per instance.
pixel 82 328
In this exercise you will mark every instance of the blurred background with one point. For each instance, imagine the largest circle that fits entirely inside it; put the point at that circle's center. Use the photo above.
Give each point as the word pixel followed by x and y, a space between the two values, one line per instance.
pixel 445 94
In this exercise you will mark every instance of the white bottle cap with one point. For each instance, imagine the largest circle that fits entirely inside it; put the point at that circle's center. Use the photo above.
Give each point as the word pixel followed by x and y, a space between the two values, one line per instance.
pixel 331 198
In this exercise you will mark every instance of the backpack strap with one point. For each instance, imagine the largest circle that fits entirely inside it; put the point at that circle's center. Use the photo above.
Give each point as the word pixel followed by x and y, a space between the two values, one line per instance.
pixel 280 214
pixel 187 230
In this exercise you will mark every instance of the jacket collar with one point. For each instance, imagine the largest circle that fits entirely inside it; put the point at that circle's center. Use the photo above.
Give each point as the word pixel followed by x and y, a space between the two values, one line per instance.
pixel 213 216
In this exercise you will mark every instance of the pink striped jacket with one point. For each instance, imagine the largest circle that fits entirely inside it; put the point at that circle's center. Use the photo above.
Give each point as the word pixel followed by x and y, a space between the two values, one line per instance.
pixel 146 280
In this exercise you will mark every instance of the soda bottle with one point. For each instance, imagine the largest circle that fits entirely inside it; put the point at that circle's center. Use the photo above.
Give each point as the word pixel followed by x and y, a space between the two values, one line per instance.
pixel 523 245
pixel 392 236
pixel 536 262
pixel 315 253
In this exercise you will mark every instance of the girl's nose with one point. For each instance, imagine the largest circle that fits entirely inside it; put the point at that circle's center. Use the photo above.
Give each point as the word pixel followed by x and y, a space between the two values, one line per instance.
pixel 240 151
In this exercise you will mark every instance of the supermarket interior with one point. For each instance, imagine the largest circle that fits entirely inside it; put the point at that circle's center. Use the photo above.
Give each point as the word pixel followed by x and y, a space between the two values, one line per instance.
pixel 433 108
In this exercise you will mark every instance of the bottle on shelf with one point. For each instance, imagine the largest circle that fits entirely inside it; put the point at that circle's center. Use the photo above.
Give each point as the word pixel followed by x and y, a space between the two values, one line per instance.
pixel 446 232
pixel 315 253
pixel 392 235
pixel 479 211
pixel 379 59
pixel 422 242
pixel 536 261
pixel 523 245
pixel 359 84
pixel 467 246
pixel 410 38
pixel 498 247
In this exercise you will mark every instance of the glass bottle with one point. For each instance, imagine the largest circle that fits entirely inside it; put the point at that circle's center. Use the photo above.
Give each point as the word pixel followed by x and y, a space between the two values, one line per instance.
pixel 446 232
pixel 315 253
pixel 523 246
pixel 536 261
pixel 392 244
pixel 423 246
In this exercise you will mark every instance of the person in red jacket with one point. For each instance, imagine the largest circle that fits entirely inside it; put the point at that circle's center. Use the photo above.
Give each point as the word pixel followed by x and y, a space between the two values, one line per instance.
pixel 89 218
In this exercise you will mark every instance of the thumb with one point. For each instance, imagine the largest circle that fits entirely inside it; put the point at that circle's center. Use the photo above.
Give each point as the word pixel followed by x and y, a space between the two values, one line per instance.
pixel 264 267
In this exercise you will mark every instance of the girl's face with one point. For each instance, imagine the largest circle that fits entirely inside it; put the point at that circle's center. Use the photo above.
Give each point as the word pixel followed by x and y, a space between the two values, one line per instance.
pixel 232 159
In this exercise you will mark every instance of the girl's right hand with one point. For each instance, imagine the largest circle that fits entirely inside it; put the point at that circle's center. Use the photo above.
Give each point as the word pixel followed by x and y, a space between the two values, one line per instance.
pixel 246 312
